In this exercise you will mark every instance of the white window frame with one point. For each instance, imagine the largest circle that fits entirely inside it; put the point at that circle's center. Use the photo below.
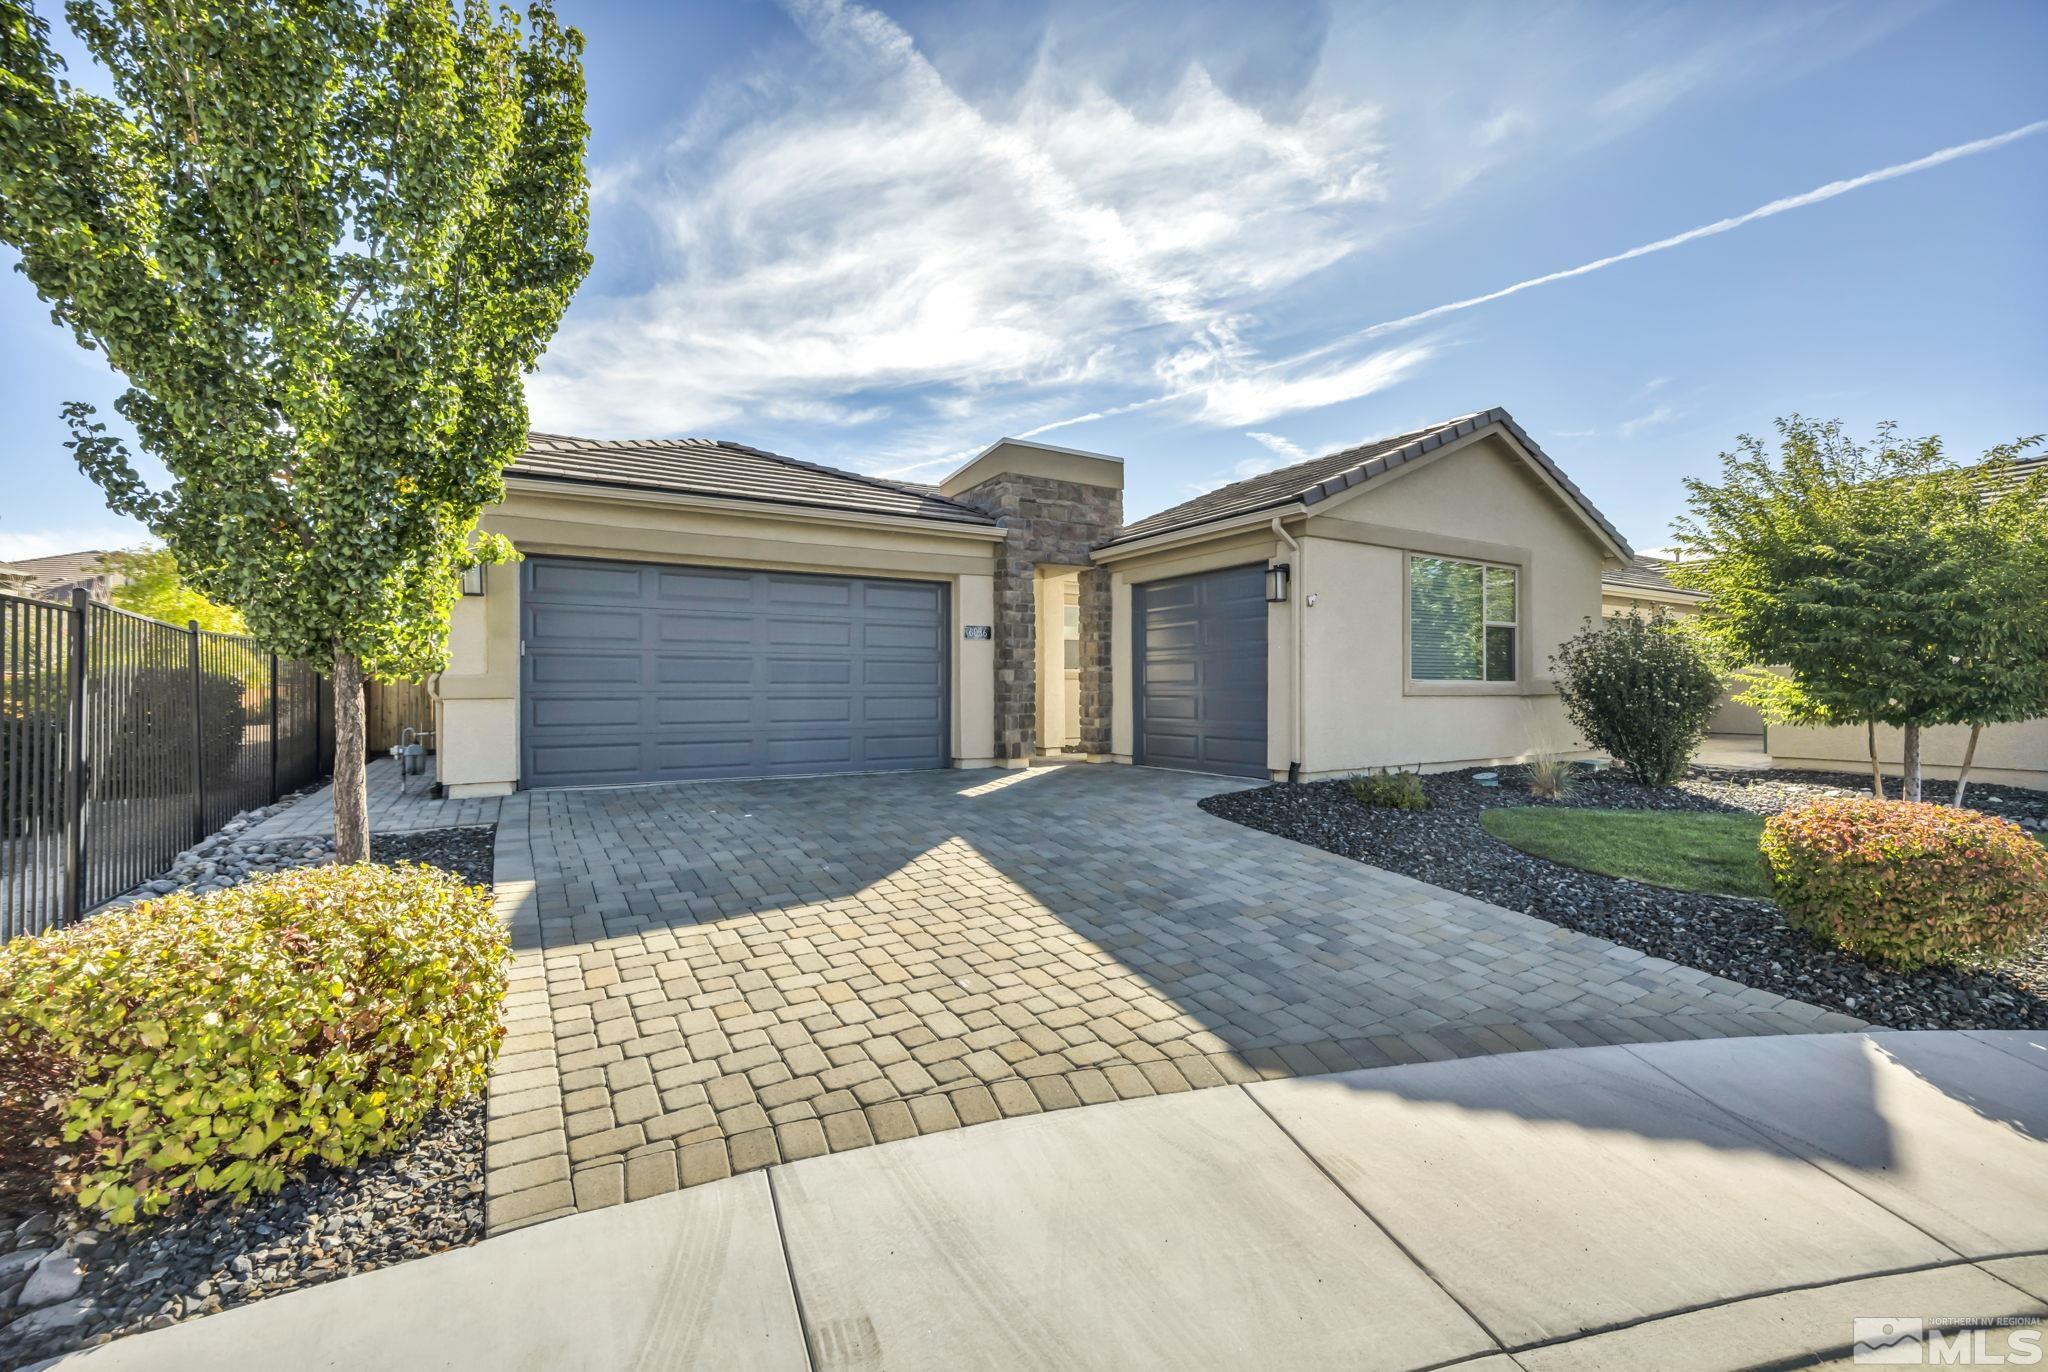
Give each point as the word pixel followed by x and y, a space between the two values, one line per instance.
pixel 1482 683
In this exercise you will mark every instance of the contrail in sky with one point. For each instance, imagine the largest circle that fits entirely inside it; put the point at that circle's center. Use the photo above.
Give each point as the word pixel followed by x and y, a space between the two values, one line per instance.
pixel 1719 226
pixel 1790 202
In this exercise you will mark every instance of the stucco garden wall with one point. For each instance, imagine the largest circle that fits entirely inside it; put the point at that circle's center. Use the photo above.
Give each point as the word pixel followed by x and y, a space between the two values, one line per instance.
pixel 2013 754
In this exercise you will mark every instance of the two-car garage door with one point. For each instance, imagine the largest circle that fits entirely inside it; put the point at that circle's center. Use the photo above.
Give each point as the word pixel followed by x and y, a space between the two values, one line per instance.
pixel 635 672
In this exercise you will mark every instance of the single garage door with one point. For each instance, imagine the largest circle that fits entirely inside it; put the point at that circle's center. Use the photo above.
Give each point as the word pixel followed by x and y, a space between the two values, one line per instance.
pixel 647 672
pixel 1201 649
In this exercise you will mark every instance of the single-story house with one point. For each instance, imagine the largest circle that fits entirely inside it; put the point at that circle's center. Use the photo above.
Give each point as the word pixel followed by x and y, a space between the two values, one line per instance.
pixel 55 577
pixel 692 609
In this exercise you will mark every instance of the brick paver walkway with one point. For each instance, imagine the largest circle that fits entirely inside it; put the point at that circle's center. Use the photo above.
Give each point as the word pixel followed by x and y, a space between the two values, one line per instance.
pixel 397 803
pixel 715 977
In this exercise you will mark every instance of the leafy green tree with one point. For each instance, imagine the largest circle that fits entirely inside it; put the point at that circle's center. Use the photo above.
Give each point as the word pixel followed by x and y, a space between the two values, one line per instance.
pixel 1865 585
pixel 322 240
pixel 2003 674
pixel 151 586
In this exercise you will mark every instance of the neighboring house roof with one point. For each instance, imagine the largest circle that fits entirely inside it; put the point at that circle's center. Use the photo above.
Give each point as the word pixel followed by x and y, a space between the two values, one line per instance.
pixel 1334 473
pixel 55 576
pixel 2016 475
pixel 1645 574
pixel 729 471
pixel 63 566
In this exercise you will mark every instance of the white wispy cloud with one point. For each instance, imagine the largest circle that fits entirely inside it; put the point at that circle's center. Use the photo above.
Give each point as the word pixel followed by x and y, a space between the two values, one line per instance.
pixel 849 227
pixel 1249 397
pixel 1629 428
pixel 1282 447
pixel 1280 452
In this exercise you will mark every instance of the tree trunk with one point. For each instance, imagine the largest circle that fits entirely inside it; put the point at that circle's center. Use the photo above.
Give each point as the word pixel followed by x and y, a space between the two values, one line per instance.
pixel 1909 785
pixel 351 748
pixel 1969 756
pixel 1876 768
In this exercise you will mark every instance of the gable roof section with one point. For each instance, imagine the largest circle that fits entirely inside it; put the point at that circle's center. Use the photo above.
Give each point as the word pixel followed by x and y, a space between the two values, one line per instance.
pixel 63 566
pixel 1320 478
pixel 2016 475
pixel 729 471
pixel 1645 574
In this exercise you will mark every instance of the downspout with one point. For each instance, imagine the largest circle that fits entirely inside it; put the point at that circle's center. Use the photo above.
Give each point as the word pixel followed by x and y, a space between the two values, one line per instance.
pixel 1299 603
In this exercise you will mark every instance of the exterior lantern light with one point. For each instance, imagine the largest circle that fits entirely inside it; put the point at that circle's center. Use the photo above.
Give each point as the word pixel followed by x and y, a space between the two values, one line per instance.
pixel 473 580
pixel 1276 582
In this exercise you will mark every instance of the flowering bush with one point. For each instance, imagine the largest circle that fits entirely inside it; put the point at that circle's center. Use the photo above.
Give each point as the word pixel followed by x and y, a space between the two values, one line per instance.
pixel 1639 688
pixel 214 1042
pixel 1908 883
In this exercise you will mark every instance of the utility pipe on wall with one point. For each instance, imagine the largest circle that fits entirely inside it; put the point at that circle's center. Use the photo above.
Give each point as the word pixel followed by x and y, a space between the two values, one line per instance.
pixel 1298 603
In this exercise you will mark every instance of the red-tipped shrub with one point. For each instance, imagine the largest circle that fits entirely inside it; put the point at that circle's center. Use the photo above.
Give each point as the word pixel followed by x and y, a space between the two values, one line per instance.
pixel 1908 883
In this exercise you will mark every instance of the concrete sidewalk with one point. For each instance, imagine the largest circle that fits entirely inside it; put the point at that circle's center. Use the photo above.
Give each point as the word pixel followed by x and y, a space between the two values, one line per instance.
pixel 1705 1204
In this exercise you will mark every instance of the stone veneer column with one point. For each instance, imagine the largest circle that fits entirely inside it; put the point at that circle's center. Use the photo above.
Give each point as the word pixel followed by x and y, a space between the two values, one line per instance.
pixel 1051 523
pixel 1097 672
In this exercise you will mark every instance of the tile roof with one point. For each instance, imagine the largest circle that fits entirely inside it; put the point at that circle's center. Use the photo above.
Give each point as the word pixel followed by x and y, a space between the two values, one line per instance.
pixel 1320 478
pixel 2016 475
pixel 731 471
pixel 59 568
pixel 1644 574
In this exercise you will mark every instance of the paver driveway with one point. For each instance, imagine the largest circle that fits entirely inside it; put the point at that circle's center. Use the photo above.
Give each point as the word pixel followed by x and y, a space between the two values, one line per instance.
pixel 714 977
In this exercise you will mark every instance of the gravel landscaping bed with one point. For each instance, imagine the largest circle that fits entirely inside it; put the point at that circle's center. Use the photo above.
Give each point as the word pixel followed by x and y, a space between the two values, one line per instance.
pixel 66 1282
pixel 225 858
pixel 1746 941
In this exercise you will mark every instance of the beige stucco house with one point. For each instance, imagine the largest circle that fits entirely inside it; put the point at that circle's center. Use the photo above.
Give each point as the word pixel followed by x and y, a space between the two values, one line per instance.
pixel 2011 754
pixel 690 609
pixel 57 576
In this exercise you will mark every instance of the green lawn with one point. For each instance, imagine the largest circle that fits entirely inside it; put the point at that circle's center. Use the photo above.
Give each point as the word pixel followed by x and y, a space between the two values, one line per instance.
pixel 1692 852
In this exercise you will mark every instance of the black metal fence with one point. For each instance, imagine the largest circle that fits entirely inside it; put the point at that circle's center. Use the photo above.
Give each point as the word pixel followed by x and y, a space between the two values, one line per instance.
pixel 124 740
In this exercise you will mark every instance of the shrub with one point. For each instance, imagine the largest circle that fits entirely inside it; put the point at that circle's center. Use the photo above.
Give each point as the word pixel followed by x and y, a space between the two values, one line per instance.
pixel 1908 883
pixel 215 1042
pixel 1389 790
pixel 1550 776
pixel 152 744
pixel 31 743
pixel 1641 689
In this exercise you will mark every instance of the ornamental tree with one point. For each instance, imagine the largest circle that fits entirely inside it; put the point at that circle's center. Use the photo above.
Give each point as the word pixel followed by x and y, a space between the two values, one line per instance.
pixel 151 586
pixel 2002 675
pixel 321 240
pixel 1869 585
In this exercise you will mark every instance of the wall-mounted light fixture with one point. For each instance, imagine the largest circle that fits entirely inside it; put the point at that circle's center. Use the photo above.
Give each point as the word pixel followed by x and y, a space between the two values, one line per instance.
pixel 1276 582
pixel 473 580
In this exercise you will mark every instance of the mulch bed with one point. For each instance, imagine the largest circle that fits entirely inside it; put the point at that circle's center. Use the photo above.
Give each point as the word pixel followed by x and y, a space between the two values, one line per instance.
pixel 1745 941
pixel 426 1197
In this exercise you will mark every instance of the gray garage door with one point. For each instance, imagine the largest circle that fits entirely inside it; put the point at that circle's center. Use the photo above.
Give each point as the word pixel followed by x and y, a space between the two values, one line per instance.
pixel 1201 671
pixel 644 672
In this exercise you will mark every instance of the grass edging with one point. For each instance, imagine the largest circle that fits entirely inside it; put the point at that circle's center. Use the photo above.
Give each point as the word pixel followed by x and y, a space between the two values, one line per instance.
pixel 1712 853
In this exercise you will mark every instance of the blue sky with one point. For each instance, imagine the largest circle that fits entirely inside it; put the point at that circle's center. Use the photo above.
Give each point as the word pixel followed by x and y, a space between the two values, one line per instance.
pixel 884 236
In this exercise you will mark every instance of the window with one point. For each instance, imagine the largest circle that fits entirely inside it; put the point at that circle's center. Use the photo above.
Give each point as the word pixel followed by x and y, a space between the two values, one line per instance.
pixel 1071 632
pixel 1461 620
